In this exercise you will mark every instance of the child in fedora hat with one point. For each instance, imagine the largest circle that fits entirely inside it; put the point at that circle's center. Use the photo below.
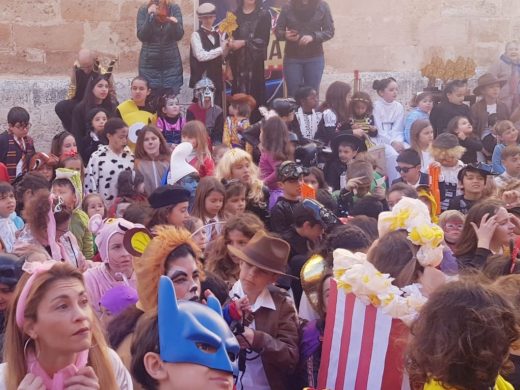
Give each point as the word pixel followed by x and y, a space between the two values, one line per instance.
pixel 488 110
pixel 269 338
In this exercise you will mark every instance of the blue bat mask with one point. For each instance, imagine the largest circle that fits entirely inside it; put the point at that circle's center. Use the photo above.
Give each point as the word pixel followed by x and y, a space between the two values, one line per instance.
pixel 191 332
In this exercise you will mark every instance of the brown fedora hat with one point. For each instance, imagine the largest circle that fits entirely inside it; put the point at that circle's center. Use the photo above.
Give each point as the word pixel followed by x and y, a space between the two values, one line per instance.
pixel 264 251
pixel 485 80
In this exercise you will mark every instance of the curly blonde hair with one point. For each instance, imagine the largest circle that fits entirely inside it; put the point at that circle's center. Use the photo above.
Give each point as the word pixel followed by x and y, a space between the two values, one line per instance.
pixel 225 167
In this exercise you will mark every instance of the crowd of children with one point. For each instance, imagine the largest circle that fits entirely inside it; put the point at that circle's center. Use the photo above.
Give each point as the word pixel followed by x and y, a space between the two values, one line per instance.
pixel 225 208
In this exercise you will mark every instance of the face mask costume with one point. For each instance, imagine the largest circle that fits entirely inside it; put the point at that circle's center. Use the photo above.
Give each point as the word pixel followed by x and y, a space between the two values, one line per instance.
pixel 189 330
pixel 205 89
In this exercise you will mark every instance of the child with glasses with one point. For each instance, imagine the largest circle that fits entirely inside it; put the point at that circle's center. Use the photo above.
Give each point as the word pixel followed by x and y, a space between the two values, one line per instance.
pixel 16 147
pixel 409 167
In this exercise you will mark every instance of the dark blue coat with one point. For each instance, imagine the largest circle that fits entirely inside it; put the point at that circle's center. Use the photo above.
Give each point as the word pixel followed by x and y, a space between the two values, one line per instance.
pixel 160 60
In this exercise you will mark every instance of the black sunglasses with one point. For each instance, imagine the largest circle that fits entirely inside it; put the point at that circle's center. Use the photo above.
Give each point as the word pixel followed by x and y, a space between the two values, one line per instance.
pixel 404 169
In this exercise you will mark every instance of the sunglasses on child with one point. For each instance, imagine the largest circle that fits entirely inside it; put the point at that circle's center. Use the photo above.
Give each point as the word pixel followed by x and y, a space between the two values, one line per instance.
pixel 403 169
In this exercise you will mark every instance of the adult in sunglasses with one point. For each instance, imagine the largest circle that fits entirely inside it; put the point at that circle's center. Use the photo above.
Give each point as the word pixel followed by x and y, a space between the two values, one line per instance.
pixel 409 167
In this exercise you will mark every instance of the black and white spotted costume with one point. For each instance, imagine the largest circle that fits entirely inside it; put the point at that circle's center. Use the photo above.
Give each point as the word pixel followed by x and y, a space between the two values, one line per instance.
pixel 103 170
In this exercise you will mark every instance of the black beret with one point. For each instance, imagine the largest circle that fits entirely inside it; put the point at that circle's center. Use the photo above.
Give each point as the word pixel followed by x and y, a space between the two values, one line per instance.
pixel 168 195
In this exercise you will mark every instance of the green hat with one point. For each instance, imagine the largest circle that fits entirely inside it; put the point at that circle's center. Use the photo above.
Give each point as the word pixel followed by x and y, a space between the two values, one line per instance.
pixel 75 179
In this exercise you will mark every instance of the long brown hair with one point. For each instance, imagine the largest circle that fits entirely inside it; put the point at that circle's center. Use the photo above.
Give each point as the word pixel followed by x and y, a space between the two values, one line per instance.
pixel 218 260
pixel 394 254
pixel 336 100
pixel 197 129
pixel 164 150
pixel 15 338
pixel 462 337
pixel 468 238
pixel 206 186
pixel 274 138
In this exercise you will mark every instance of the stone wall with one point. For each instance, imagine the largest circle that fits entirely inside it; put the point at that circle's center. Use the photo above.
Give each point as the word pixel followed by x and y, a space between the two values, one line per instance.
pixel 39 40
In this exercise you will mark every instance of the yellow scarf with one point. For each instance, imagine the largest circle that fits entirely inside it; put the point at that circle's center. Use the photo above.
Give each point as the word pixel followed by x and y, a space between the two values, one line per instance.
pixel 501 384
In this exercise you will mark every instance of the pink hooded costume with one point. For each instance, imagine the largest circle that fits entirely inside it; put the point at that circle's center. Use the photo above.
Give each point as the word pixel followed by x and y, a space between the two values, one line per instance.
pixel 99 280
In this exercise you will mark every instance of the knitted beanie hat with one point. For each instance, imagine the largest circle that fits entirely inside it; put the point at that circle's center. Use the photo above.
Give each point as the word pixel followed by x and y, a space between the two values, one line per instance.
pixel 445 141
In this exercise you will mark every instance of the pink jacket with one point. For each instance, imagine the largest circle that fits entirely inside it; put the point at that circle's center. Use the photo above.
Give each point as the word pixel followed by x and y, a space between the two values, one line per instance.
pixel 268 166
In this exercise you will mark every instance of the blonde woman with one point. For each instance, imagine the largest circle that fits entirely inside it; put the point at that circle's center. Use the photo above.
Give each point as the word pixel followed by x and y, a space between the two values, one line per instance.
pixel 53 340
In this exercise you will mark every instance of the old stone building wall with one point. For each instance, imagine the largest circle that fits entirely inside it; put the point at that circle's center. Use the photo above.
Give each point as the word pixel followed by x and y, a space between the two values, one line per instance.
pixel 39 39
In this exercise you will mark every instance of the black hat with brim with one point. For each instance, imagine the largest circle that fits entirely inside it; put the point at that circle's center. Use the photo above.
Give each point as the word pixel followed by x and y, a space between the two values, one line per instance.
pixel 358 143
pixel 168 195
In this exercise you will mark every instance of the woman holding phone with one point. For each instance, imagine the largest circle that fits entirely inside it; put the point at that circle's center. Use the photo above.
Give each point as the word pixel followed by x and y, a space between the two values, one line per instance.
pixel 304 25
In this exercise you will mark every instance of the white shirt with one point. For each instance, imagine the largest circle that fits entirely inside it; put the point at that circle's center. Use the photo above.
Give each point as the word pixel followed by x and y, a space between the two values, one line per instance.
pixel 254 377
pixel 389 119
pixel 198 51
pixel 426 160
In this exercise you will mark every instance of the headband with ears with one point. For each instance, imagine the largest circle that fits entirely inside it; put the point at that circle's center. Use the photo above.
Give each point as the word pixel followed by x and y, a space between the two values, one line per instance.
pixel 136 241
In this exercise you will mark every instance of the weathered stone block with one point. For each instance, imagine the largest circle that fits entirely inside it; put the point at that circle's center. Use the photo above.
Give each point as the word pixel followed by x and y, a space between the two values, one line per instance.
pixel 66 36
pixel 91 10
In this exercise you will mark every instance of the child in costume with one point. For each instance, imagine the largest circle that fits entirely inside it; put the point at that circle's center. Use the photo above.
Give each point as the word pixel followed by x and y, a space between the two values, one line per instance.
pixel 116 267
pixel 207 50
pixel 241 106
pixel 452 105
pixel 170 204
pixel 109 160
pixel 195 133
pixel 136 112
pixel 68 186
pixel 184 174
pixel 362 118
pixel 206 111
pixel 237 164
pixel 422 104
pixel 447 153
pixel 269 338
pixel 456 342
pixel 44 164
pixel 344 147
pixel 16 147
pixel 53 236
pixel 170 119
pixel 170 252
pixel 307 118
pixel 389 113
pixel 488 111
pixel 170 351
pixel 290 179
pixel 335 111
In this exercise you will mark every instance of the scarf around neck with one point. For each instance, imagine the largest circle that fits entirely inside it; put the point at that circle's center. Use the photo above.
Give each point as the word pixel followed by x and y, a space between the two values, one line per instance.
pixel 59 377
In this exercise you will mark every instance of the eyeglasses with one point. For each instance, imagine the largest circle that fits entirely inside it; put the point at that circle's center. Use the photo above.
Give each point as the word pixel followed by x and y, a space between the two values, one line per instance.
pixel 21 126
pixel 403 169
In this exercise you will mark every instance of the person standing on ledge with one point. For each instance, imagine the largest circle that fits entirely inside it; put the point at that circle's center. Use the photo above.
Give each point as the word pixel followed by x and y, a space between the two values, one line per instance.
pixel 207 51
pixel 159 28
pixel 304 25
